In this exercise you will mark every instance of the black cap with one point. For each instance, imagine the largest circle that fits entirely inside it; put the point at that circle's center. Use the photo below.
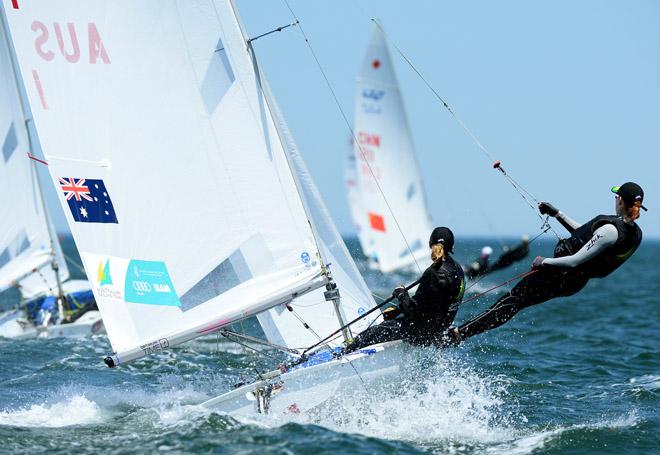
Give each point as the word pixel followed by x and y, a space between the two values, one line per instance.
pixel 442 235
pixel 630 192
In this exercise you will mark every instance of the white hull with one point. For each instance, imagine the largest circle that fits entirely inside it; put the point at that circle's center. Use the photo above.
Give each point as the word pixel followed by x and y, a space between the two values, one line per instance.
pixel 306 387
pixel 14 327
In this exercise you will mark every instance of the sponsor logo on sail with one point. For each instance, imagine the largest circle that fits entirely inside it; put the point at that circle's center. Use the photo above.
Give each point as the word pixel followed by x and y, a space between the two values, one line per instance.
pixel 371 108
pixel 373 94
pixel 371 101
pixel 370 139
pixel 103 275
pixel 106 287
pixel 149 282
pixel 141 286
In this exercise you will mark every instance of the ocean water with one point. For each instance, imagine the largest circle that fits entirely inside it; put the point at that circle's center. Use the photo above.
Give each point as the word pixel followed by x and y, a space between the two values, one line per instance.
pixel 579 375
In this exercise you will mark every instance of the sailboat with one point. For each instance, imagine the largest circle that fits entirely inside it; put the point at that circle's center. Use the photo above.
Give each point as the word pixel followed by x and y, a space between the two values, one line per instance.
pixel 31 257
pixel 382 176
pixel 203 212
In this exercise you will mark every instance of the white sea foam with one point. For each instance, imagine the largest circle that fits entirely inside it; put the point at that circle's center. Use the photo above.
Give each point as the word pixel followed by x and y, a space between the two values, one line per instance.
pixel 535 441
pixel 438 398
pixel 441 403
pixel 649 382
pixel 75 410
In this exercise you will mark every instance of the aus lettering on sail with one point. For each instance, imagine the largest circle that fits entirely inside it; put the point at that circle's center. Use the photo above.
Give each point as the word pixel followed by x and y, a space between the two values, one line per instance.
pixel 68 43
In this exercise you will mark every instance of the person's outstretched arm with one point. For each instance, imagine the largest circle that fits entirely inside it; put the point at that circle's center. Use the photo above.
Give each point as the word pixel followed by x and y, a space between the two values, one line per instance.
pixel 546 208
pixel 604 237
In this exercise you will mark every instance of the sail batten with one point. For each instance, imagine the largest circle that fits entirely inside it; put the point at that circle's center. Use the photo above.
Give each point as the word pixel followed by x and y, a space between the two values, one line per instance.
pixel 383 181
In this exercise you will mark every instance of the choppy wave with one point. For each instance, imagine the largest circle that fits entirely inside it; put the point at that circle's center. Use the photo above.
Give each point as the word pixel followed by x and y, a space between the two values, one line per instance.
pixel 438 398
pixel 648 382
pixel 536 441
pixel 75 410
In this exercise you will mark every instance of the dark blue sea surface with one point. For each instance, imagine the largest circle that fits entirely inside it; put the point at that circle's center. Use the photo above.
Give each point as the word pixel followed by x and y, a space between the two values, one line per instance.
pixel 578 375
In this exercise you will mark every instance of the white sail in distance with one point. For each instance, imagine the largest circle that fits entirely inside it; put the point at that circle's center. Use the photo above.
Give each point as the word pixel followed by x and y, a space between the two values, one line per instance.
pixel 359 215
pixel 388 202
pixel 27 247
pixel 168 163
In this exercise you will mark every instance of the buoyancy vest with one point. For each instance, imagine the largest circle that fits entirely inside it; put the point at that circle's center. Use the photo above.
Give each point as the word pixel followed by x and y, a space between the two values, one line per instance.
pixel 629 238
pixel 439 294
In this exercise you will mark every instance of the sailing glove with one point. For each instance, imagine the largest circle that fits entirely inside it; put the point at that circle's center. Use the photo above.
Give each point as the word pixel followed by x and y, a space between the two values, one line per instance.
pixel 538 262
pixel 399 291
pixel 406 304
pixel 546 208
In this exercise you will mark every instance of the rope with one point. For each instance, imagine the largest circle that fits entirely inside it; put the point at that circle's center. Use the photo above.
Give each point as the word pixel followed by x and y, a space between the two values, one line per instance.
pixel 339 330
pixel 250 347
pixel 353 136
pixel 521 276
pixel 302 321
pixel 50 290
pixel 227 333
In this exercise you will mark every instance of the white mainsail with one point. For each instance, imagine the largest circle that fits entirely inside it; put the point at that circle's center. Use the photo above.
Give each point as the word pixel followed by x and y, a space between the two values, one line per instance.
pixel 28 245
pixel 385 161
pixel 154 114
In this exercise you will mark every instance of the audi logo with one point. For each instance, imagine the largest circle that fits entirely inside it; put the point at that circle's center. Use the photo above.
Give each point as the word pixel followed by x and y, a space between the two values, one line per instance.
pixel 142 286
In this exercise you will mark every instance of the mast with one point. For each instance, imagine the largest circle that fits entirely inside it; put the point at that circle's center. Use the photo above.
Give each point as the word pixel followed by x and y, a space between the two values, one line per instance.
pixel 55 266
pixel 332 292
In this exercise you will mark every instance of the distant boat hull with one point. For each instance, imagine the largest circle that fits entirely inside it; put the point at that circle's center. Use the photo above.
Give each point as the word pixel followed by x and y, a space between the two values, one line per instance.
pixel 310 385
pixel 13 326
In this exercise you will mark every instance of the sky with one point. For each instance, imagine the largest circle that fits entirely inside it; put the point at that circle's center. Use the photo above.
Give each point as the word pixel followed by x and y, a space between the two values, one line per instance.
pixel 565 94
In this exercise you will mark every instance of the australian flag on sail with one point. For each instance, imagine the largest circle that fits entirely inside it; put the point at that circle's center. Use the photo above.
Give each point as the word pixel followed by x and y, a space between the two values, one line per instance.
pixel 88 200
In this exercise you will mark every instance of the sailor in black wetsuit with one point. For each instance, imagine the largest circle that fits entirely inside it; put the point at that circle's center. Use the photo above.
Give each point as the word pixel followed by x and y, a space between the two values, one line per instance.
pixel 423 318
pixel 479 266
pixel 594 250
pixel 511 255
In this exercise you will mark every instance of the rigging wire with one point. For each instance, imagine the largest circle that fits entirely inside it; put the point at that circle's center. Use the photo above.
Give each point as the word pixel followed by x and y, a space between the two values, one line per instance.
pixel 230 333
pixel 50 289
pixel 526 195
pixel 74 263
pixel 352 131
pixel 245 345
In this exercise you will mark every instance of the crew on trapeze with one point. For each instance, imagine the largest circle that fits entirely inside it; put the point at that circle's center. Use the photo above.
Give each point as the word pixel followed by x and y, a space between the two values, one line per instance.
pixel 479 266
pixel 424 317
pixel 511 255
pixel 482 266
pixel 594 250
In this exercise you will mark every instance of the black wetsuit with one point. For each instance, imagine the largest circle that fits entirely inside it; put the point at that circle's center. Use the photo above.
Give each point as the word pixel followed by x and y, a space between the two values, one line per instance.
pixel 477 267
pixel 427 314
pixel 507 258
pixel 552 281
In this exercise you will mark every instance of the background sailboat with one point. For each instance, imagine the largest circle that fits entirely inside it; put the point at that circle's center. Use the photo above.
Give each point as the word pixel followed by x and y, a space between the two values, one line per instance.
pixel 382 174
pixel 31 258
